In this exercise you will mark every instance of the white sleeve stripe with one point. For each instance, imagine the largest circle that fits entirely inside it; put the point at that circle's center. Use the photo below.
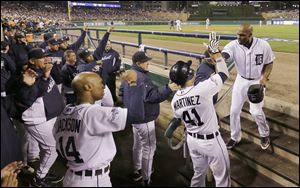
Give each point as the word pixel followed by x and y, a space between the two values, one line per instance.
pixel 114 61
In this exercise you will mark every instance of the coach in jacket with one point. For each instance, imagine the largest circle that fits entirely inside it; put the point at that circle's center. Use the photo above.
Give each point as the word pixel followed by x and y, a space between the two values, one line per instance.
pixel 40 103
pixel 144 132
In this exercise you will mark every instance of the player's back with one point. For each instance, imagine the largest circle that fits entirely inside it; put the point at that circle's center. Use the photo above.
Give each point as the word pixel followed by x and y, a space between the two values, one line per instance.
pixel 195 107
pixel 83 134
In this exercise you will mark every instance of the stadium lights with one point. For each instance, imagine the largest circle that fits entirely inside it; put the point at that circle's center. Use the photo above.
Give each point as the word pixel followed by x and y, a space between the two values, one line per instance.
pixel 95 5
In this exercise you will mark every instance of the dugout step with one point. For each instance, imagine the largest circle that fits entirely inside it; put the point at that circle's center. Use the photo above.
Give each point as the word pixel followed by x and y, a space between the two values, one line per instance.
pixel 243 175
pixel 279 169
pixel 280 121
pixel 281 144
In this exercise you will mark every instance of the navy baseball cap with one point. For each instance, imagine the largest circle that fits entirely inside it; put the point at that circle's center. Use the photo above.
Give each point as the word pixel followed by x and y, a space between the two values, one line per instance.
pixel 37 53
pixel 83 53
pixel 48 36
pixel 54 41
pixel 140 57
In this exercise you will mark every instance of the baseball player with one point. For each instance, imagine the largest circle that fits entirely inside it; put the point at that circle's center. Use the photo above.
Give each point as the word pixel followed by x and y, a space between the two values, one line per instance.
pixel 172 24
pixel 207 23
pixel 254 61
pixel 40 104
pixel 83 131
pixel 74 46
pixel 193 104
pixel 178 25
pixel 111 64
pixel 144 139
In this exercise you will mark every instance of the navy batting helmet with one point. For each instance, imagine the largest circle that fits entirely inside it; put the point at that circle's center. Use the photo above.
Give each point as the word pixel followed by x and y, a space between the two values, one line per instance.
pixel 256 93
pixel 181 72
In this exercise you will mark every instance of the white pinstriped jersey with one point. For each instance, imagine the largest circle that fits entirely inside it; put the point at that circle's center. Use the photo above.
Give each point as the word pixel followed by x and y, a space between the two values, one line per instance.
pixel 249 62
pixel 83 135
pixel 195 107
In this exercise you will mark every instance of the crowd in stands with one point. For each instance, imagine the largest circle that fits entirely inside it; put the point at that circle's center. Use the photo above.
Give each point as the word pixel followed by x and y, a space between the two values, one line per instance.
pixel 281 14
pixel 50 13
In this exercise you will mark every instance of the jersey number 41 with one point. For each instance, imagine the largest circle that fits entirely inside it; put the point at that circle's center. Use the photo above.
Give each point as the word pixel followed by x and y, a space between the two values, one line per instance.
pixel 195 121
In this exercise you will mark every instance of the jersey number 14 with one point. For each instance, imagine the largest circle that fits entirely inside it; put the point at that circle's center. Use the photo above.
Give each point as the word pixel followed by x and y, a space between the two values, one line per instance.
pixel 196 121
pixel 70 149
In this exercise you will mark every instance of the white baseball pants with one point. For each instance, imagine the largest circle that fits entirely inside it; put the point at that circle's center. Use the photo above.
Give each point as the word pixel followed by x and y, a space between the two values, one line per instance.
pixel 209 153
pixel 43 134
pixel 144 146
pixel 30 147
pixel 239 96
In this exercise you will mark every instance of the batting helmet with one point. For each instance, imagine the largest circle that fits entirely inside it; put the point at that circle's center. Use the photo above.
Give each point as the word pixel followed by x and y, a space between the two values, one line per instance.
pixel 256 93
pixel 181 72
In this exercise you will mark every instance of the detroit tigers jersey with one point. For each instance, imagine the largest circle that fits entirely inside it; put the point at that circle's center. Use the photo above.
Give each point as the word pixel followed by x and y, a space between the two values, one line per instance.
pixel 83 135
pixel 195 107
pixel 249 62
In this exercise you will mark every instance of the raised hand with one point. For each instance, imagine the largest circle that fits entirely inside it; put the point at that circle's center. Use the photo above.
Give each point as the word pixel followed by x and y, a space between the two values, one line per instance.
pixel 47 70
pixel 174 87
pixel 85 28
pixel 29 77
pixel 13 167
pixel 110 29
pixel 130 76
pixel 213 42
pixel 9 180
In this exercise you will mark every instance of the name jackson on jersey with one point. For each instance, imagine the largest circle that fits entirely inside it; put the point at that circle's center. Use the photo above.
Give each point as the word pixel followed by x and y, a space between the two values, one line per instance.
pixel 187 101
pixel 68 124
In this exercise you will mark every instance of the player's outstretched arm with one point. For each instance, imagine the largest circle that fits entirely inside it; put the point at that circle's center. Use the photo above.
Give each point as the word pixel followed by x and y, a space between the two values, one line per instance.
pixel 214 52
pixel 101 47
pixel 136 110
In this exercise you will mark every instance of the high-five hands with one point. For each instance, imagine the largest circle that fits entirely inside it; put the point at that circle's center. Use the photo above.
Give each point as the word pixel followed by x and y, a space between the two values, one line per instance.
pixel 213 46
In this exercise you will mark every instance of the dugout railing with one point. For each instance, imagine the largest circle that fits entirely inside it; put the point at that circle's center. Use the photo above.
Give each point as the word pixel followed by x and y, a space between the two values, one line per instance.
pixel 165 51
pixel 159 79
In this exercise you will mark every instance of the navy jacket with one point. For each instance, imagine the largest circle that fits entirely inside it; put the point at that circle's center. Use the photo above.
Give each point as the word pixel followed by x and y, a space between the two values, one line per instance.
pixel 56 70
pixel 111 64
pixel 152 95
pixel 19 55
pixel 76 45
pixel 40 102
pixel 68 74
pixel 98 53
pixel 8 68
pixel 10 141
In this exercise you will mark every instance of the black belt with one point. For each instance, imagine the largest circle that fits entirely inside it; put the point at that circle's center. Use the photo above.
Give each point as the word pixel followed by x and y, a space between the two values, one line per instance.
pixel 248 78
pixel 204 137
pixel 90 172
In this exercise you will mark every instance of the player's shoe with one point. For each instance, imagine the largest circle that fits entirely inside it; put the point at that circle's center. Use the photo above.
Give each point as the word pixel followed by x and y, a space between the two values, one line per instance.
pixel 231 144
pixel 137 175
pixel 264 142
pixel 53 178
pixel 37 182
pixel 146 183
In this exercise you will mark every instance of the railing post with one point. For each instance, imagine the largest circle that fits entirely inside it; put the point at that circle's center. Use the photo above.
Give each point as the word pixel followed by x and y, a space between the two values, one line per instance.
pixel 140 39
pixel 166 60
pixel 123 49
pixel 97 35
pixel 89 35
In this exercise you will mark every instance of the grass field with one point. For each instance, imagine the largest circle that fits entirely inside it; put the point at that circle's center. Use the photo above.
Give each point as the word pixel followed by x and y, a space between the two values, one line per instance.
pixel 271 31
